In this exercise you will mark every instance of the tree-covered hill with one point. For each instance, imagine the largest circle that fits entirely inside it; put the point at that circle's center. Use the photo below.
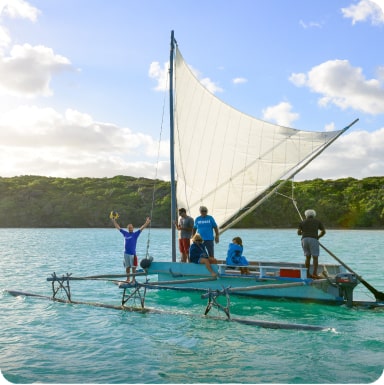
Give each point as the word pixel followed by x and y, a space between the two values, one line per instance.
pixel 35 201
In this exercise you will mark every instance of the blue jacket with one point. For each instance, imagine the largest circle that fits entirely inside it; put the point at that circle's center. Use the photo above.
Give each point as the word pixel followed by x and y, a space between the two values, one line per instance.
pixel 196 252
pixel 234 255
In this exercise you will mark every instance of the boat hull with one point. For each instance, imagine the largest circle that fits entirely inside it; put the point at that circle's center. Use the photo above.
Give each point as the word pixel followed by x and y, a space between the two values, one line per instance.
pixel 266 280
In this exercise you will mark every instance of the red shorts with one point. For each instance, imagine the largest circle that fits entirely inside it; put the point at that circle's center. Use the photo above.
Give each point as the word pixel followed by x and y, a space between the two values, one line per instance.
pixel 184 244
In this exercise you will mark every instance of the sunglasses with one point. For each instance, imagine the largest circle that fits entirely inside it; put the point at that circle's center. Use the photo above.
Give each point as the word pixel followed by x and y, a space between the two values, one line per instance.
pixel 203 211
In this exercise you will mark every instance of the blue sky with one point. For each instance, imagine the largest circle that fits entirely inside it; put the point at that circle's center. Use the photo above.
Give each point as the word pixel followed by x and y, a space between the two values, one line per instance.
pixel 81 91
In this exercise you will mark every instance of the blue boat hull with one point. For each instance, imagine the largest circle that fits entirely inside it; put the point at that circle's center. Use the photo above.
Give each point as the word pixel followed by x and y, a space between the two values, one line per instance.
pixel 265 281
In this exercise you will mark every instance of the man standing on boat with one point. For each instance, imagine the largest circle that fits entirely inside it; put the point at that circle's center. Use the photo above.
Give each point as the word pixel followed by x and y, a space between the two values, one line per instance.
pixel 185 227
pixel 309 231
pixel 205 225
pixel 130 241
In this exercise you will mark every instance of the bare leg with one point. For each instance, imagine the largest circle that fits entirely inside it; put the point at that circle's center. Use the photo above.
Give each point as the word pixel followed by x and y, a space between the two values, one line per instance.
pixel 205 261
pixel 134 271
pixel 308 264
pixel 315 265
pixel 128 270
pixel 212 260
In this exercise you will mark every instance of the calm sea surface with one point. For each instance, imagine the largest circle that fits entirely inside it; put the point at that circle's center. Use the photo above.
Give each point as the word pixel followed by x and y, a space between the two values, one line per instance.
pixel 48 342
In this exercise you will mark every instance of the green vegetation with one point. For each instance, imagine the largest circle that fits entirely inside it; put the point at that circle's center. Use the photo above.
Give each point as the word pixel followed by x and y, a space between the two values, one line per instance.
pixel 35 201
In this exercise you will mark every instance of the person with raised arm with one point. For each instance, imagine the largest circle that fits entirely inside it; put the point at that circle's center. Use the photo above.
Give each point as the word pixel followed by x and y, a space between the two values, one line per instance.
pixel 130 241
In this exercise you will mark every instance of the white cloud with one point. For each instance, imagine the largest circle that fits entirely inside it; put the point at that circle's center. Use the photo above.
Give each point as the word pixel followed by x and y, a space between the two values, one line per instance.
pixel 160 75
pixel 380 4
pixel 239 80
pixel 28 70
pixel 42 141
pixel 357 154
pixel 281 114
pixel 35 141
pixel 372 10
pixel 18 9
pixel 5 38
pixel 344 86
pixel 14 9
pixel 298 79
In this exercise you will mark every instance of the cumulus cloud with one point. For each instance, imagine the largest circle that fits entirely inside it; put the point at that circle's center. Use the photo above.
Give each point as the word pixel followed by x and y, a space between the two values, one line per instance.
pixel 18 9
pixel 357 154
pixel 14 9
pixel 43 141
pixel 160 74
pixel 343 85
pixel 28 70
pixel 5 38
pixel 365 10
pixel 280 114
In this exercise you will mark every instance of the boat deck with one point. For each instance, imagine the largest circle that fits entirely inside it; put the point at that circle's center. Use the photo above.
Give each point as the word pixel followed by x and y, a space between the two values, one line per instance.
pixel 262 269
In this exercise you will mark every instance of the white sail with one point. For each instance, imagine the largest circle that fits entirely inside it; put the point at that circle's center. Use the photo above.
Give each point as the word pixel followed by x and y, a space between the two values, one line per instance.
pixel 224 158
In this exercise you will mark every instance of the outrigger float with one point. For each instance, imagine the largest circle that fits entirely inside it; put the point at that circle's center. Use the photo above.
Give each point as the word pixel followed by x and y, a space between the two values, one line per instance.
pixel 137 291
pixel 212 289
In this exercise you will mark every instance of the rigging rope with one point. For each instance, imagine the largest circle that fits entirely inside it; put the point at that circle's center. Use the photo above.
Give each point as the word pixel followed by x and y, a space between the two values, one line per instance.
pixel 156 173
pixel 292 198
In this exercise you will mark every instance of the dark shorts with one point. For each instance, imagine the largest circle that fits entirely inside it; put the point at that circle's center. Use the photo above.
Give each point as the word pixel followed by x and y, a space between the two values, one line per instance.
pixel 196 259
pixel 209 245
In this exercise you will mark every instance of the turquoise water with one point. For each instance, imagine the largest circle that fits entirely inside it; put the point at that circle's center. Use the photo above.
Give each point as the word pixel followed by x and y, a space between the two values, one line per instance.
pixel 48 342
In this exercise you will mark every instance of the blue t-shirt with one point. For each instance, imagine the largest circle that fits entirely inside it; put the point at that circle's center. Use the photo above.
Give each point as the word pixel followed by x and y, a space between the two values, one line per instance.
pixel 204 226
pixel 130 240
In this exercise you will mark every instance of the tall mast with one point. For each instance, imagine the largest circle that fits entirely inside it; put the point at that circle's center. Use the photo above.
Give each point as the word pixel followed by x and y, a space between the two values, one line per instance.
pixel 172 153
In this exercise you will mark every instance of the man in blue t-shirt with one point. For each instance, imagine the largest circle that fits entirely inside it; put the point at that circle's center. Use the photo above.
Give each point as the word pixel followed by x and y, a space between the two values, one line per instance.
pixel 130 240
pixel 205 225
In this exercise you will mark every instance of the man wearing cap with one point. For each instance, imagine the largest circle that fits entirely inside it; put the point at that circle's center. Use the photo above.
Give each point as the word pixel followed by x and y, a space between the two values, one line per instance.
pixel 185 227
pixel 205 225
